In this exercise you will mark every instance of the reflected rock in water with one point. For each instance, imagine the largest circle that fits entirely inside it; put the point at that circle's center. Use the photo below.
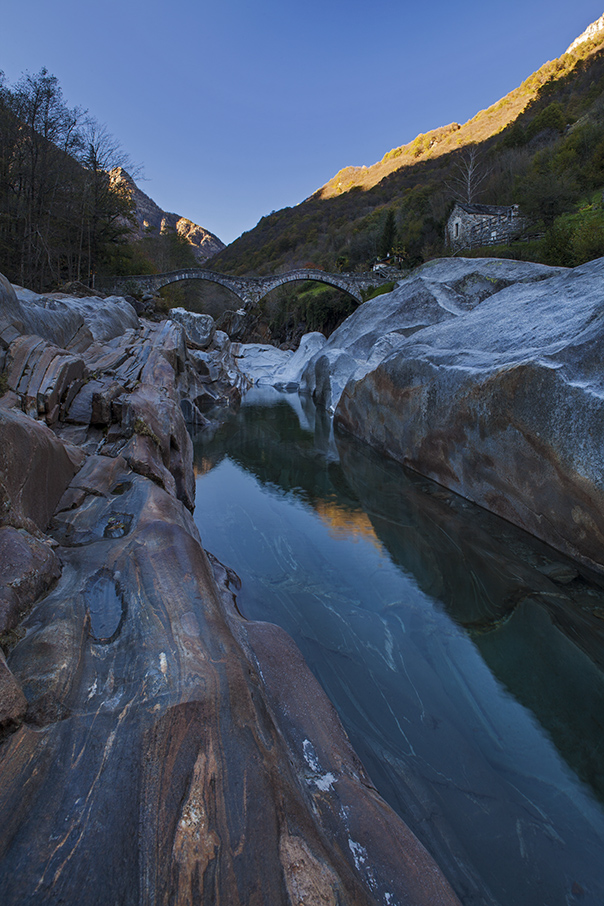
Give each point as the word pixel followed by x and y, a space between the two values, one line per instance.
pixel 414 608
pixel 544 641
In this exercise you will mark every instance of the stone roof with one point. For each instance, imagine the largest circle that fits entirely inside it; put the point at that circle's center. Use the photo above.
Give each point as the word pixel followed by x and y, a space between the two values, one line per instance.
pixel 485 208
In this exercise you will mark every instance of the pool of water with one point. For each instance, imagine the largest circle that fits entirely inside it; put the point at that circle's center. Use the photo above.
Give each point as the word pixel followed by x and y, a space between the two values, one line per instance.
pixel 465 659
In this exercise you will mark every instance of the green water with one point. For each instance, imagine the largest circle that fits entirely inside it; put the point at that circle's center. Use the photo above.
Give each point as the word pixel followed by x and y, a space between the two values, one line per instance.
pixel 470 684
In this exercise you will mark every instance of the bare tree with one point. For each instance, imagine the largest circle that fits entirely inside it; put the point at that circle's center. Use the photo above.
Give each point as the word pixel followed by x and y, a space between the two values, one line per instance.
pixel 60 213
pixel 470 172
pixel 106 204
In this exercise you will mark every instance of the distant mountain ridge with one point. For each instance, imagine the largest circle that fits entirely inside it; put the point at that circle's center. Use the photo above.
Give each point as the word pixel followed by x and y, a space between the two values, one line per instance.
pixel 151 218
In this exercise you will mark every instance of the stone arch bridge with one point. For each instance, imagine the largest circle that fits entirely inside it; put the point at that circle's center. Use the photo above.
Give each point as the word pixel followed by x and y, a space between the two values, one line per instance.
pixel 249 289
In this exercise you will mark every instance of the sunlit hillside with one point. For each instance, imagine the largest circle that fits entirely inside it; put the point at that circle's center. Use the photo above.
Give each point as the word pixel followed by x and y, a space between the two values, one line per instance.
pixel 541 146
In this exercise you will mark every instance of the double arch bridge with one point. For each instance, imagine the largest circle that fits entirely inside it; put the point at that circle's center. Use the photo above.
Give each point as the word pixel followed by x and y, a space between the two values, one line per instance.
pixel 249 289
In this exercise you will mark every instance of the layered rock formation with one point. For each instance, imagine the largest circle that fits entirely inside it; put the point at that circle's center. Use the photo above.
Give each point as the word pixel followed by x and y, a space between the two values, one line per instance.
pixel 157 748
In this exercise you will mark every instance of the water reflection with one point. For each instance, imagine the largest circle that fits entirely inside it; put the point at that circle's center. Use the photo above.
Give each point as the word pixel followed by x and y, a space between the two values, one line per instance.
pixel 470 683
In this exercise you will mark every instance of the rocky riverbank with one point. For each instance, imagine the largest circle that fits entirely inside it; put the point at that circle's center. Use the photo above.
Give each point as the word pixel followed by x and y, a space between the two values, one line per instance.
pixel 484 375
pixel 156 748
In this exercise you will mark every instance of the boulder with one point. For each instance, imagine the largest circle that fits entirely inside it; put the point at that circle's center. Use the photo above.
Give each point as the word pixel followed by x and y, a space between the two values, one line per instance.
pixel 28 567
pixel 200 329
pixel 439 291
pixel 11 312
pixel 105 318
pixel 259 362
pixel 68 321
pixel 13 704
pixel 160 440
pixel 35 469
pixel 504 405
pixel 288 377
pixel 268 366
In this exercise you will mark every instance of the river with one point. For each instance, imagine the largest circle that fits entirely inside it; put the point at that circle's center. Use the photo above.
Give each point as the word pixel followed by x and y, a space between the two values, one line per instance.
pixel 466 659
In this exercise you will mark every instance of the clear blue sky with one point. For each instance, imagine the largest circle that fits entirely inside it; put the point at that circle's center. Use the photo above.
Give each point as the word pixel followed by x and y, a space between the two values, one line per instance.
pixel 238 108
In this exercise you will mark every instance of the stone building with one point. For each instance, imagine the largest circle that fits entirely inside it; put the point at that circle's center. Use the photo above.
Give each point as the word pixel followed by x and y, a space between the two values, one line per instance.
pixel 474 225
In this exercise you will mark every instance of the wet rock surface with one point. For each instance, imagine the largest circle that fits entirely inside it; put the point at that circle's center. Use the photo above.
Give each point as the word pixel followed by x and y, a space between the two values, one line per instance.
pixel 157 748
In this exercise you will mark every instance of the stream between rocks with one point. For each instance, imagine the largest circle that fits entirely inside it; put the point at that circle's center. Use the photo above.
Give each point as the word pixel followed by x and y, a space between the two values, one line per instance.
pixel 465 658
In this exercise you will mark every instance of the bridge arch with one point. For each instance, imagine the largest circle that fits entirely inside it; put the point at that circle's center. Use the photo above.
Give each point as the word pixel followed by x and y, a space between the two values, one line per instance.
pixel 339 281
pixel 152 283
pixel 250 290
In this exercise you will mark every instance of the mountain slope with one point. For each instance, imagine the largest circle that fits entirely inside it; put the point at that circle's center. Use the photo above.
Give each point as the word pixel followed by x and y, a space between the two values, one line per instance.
pixel 339 225
pixel 484 125
pixel 150 218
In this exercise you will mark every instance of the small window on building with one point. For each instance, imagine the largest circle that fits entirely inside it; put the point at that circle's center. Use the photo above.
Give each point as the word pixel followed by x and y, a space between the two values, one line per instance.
pixel 457 229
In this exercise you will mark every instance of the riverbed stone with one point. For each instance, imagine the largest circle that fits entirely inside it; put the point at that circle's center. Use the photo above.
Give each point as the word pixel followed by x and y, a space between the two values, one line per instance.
pixel 184 727
pixel 200 328
pixel 288 377
pixel 145 757
pixel 269 366
pixel 35 469
pixel 13 704
pixel 260 361
pixel 68 321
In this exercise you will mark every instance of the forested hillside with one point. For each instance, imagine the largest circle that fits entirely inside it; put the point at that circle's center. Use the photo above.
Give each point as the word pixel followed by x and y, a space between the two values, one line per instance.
pixel 67 211
pixel 60 219
pixel 542 146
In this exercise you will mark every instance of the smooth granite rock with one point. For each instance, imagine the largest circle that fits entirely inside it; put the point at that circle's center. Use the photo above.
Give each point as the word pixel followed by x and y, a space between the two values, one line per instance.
pixel 200 328
pixel 288 377
pixel 13 704
pixel 35 470
pixel 440 291
pixel 68 320
pixel 504 405
pixel 260 361
pixel 268 366
pixel 164 756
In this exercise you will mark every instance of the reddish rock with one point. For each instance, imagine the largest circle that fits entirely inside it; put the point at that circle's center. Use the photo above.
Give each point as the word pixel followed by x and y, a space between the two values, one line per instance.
pixel 163 728
pixel 13 703
pixel 35 469
pixel 28 567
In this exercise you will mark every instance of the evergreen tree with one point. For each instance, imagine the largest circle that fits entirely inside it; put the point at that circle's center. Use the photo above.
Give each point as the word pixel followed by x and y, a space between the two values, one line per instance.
pixel 387 239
